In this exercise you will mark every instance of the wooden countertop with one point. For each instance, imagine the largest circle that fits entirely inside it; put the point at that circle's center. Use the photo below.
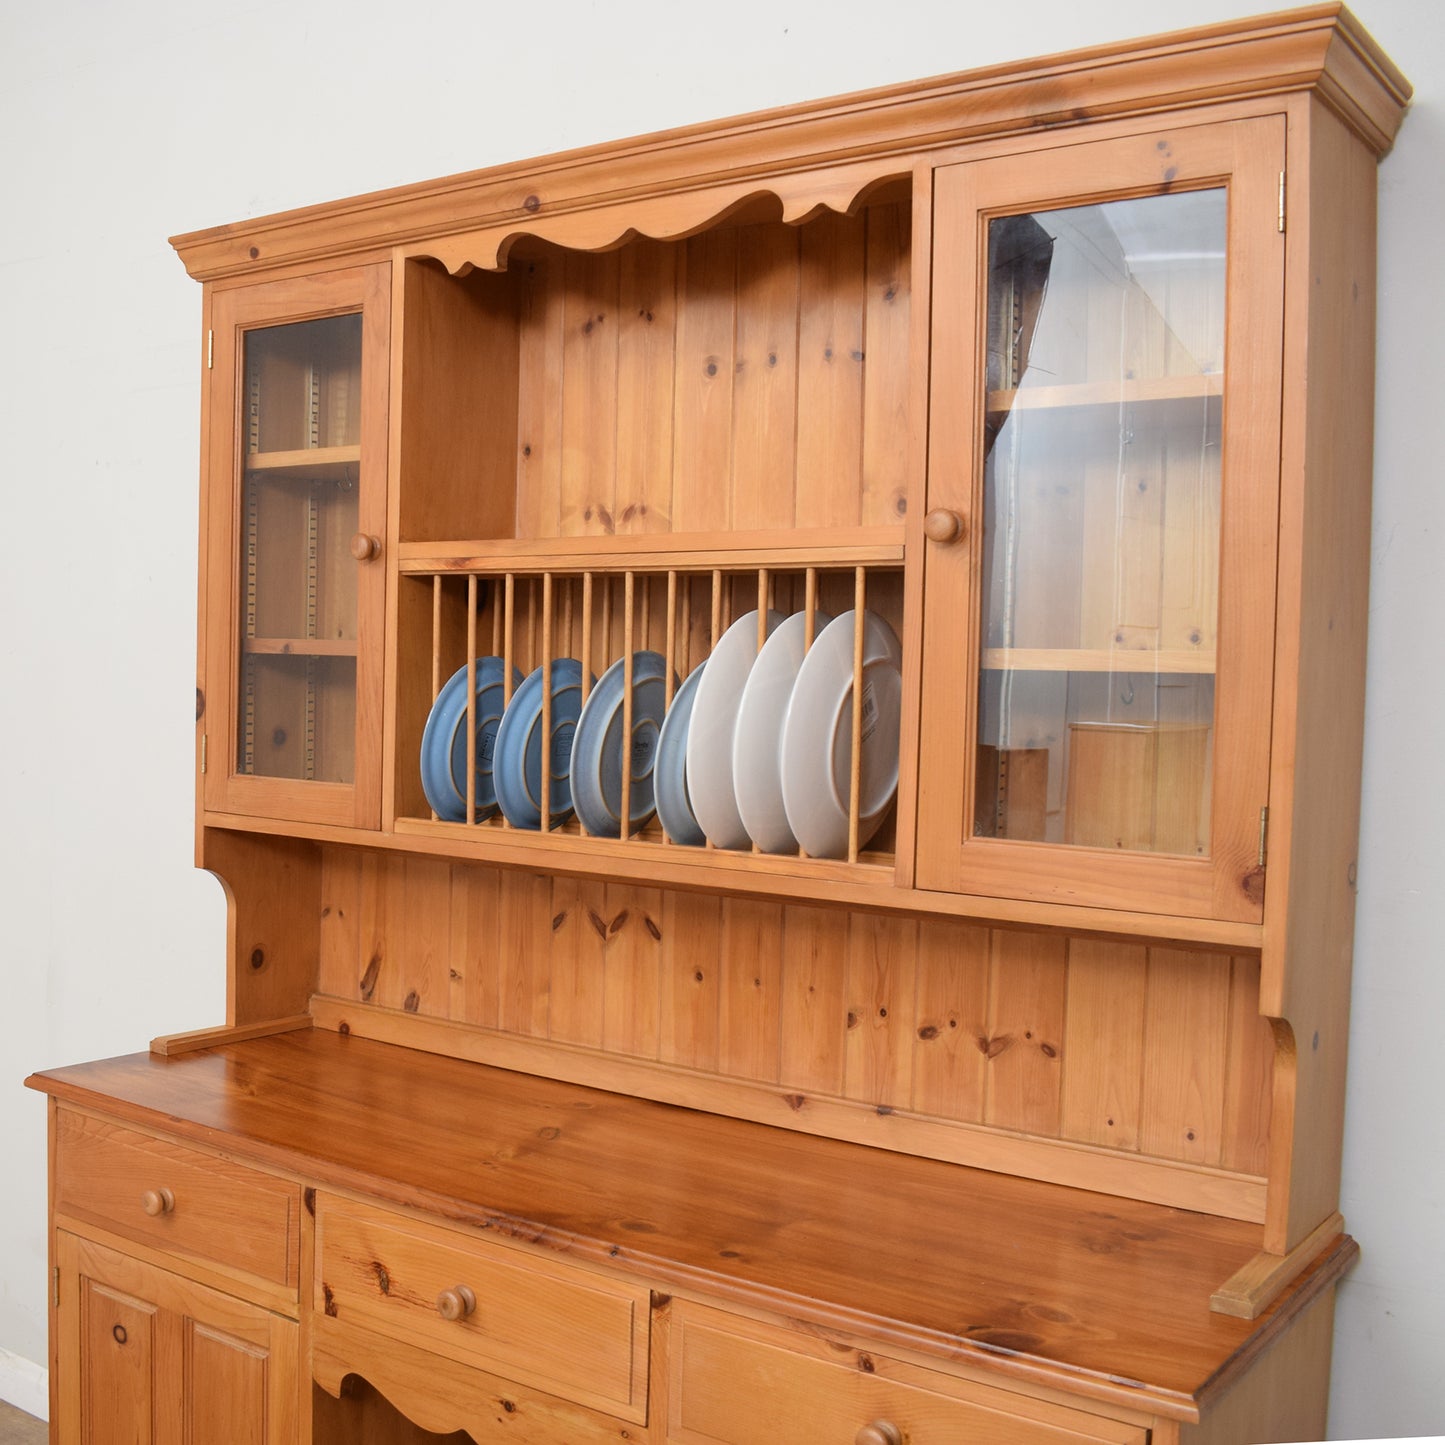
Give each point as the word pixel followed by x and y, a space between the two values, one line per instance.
pixel 1097 1295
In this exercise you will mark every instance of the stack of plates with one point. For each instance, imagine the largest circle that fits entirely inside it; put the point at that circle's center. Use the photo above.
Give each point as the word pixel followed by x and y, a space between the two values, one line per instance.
pixel 756 749
pixel 758 745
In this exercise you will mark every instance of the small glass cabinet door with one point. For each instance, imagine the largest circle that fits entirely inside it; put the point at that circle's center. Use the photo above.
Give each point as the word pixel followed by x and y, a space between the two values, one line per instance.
pixel 299 436
pixel 1099 574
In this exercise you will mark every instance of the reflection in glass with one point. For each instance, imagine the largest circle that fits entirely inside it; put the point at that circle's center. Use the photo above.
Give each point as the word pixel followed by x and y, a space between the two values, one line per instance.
pixel 1105 344
pixel 300 432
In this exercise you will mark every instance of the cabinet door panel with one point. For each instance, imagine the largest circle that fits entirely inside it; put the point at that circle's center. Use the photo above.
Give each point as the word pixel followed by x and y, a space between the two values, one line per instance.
pixel 1104 421
pixel 147 1357
pixel 118 1362
pixel 296 467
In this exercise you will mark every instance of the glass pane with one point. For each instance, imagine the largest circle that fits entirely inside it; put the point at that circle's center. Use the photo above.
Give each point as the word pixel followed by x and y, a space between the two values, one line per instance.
pixel 1101 523
pixel 299 512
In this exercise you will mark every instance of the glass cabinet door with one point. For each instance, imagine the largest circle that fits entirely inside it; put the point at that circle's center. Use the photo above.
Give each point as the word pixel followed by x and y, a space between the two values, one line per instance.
pixel 297 547
pixel 1107 351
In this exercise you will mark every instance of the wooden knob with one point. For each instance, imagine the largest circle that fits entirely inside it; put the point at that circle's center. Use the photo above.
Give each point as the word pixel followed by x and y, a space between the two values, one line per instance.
pixel 156 1202
pixel 943 526
pixel 879 1432
pixel 365 548
pixel 456 1303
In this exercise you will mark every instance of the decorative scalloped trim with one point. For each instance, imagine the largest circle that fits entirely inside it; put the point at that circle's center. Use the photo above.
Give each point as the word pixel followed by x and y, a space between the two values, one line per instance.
pixel 794 200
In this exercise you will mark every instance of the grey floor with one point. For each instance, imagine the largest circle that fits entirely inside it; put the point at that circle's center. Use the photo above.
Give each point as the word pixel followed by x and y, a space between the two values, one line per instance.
pixel 18 1428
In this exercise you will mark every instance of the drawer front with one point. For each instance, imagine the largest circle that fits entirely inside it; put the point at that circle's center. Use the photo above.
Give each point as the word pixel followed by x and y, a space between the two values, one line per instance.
pixel 572 1333
pixel 736 1382
pixel 182 1200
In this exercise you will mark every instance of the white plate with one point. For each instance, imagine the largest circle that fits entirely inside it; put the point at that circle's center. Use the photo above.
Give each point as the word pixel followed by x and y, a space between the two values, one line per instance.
pixel 757 738
pixel 669 777
pixel 817 748
pixel 710 738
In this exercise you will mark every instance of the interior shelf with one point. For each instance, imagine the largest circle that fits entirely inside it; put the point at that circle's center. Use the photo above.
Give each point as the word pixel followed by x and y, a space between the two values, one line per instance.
pixel 1109 393
pixel 300 646
pixel 306 460
pixel 1098 659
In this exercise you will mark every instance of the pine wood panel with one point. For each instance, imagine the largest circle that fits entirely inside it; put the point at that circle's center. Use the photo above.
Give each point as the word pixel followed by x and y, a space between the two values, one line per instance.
pixel 687 1199
pixel 1140 1050
pixel 571 1332
pixel 751 377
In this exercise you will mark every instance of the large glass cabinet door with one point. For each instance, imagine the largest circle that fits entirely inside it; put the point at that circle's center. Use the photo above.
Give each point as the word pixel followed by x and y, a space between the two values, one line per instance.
pixel 299 392
pixel 1099 574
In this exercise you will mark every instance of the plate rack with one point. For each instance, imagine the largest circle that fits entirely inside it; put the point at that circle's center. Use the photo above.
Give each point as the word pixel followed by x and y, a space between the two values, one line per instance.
pixel 603 601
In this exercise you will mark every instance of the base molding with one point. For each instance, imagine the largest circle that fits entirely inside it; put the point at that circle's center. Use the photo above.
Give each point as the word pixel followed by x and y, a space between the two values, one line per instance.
pixel 25 1384
pixel 1248 1292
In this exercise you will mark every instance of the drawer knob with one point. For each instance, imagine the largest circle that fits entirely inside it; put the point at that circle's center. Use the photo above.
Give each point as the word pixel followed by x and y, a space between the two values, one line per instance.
pixel 879 1432
pixel 365 548
pixel 456 1303
pixel 943 526
pixel 156 1202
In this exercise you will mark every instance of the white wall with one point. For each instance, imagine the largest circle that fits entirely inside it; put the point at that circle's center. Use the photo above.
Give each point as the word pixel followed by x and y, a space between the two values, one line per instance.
pixel 121 124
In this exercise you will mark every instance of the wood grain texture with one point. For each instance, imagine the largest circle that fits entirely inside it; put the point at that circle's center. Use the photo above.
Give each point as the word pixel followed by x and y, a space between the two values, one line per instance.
pixel 579 1171
pixel 1091 1042
pixel 1318 736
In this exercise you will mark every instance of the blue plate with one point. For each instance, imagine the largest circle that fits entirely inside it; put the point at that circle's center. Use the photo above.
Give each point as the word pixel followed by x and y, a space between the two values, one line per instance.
pixel 669 777
pixel 444 742
pixel 597 748
pixel 518 770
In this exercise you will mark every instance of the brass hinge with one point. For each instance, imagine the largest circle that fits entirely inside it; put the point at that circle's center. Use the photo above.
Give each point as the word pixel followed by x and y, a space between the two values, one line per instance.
pixel 1281 201
pixel 55 1286
pixel 204 736
pixel 211 336
pixel 1263 835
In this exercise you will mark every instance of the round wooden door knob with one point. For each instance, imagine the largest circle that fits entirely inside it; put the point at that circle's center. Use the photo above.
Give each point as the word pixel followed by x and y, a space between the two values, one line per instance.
pixel 879 1432
pixel 365 548
pixel 943 526
pixel 456 1303
pixel 156 1202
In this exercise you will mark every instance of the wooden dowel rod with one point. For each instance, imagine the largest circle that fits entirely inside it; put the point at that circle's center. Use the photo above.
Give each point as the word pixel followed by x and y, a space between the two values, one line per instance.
pixel 855 770
pixel 717 581
pixel 629 593
pixel 586 658
pixel 546 700
pixel 670 645
pixel 810 608
pixel 436 646
pixel 508 649
pixel 472 698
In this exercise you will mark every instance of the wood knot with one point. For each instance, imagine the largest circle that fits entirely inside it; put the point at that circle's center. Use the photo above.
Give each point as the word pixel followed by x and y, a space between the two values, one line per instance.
pixel 652 928
pixel 383 1277
pixel 330 1299
pixel 558 919
pixel 928 1031
pixel 412 1002
pixel 795 1101
pixel 618 923
pixel 532 203
pixel 258 959
pixel 368 979
pixel 254 253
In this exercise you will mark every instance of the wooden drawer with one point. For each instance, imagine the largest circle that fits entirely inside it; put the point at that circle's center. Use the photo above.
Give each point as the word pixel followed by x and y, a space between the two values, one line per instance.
pixel 737 1382
pixel 204 1207
pixel 574 1334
